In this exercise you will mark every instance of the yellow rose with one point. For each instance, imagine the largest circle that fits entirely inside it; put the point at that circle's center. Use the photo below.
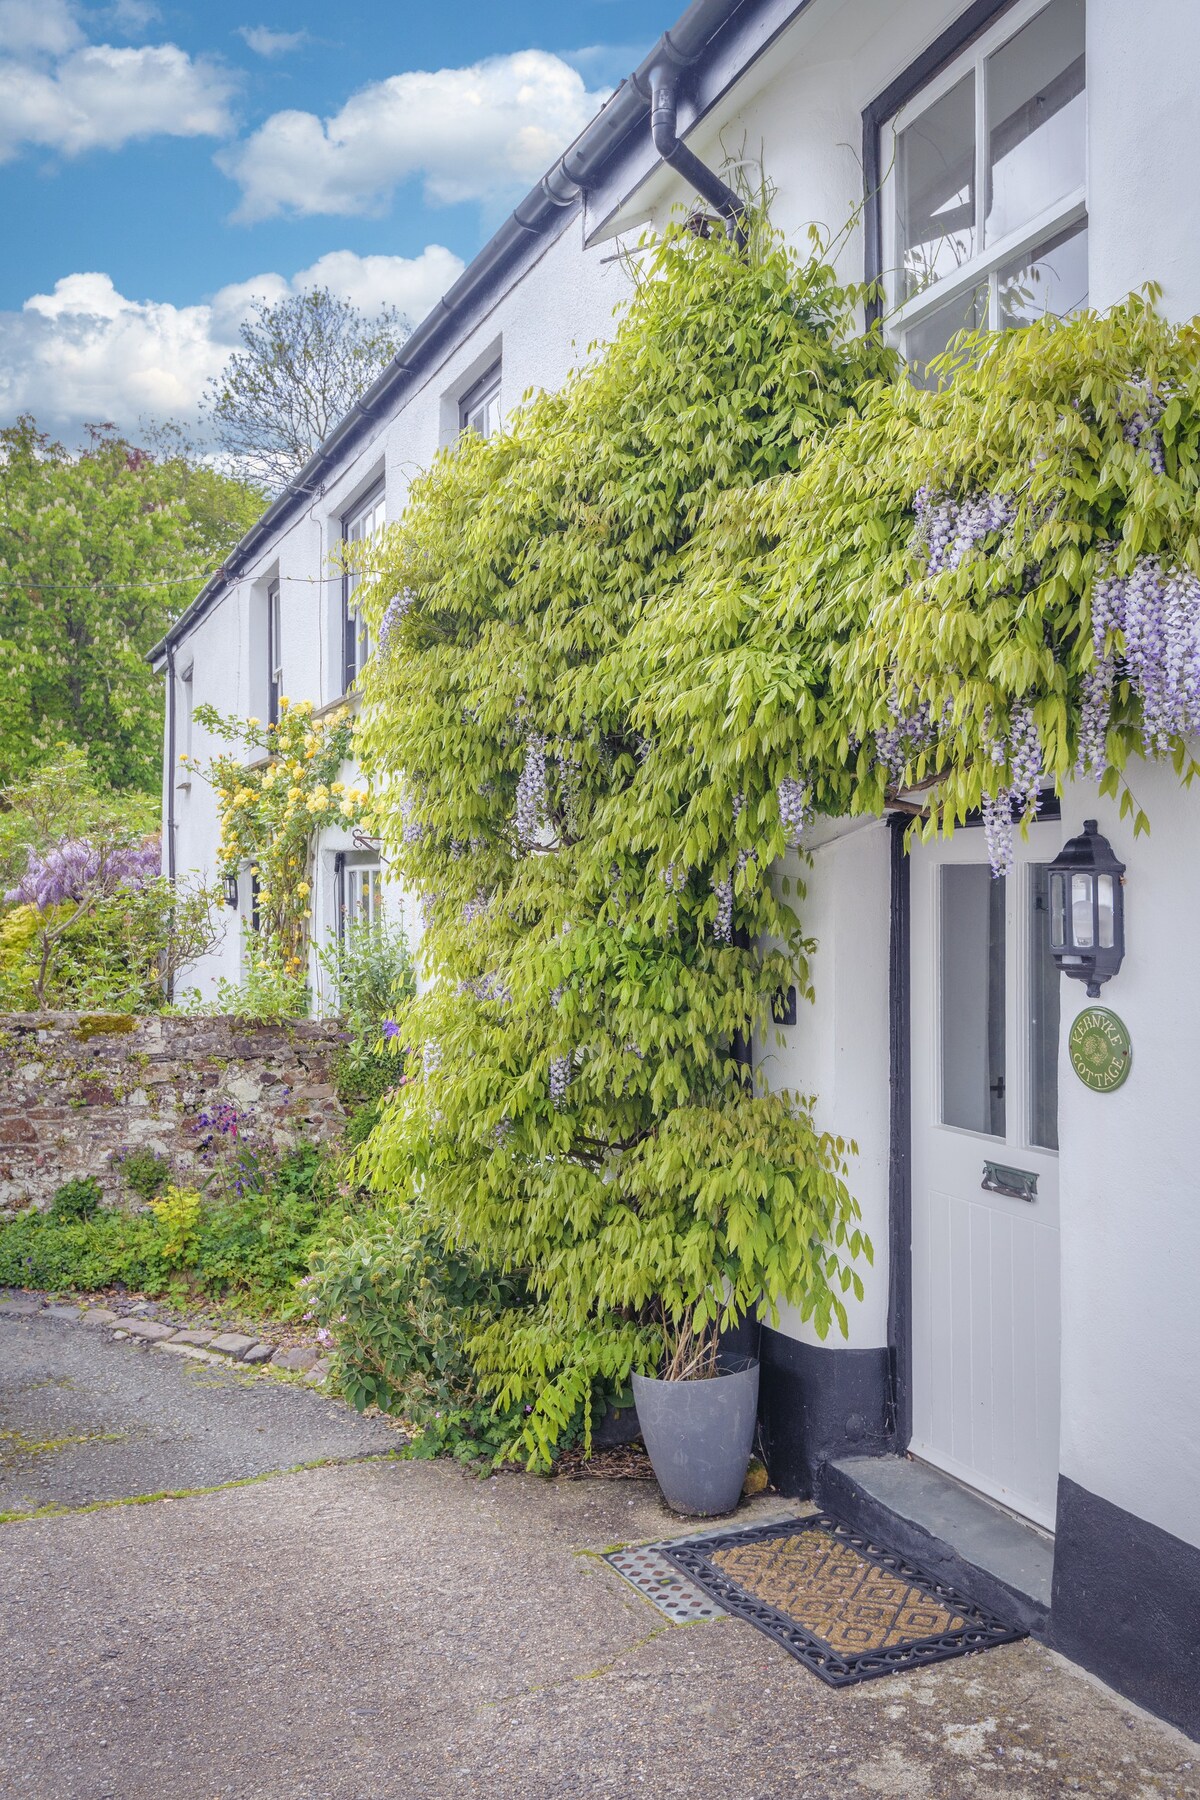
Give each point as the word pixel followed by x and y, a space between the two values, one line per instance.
pixel 303 889
pixel 254 722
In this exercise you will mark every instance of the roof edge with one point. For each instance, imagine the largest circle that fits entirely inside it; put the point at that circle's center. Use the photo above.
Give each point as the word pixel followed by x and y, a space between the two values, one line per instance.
pixel 551 203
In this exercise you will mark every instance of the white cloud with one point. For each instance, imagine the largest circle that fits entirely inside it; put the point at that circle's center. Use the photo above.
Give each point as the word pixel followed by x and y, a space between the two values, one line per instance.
pixel 471 134
pixel 265 42
pixel 86 353
pixel 58 92
pixel 38 27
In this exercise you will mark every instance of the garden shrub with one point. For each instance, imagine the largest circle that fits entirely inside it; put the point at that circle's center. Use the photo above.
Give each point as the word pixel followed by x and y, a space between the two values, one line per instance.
pixel 250 1243
pixel 80 1198
pixel 178 1212
pixel 110 1249
pixel 144 1172
pixel 734 574
pixel 393 1299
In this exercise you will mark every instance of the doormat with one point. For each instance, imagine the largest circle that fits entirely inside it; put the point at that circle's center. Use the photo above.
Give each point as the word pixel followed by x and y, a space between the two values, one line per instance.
pixel 837 1602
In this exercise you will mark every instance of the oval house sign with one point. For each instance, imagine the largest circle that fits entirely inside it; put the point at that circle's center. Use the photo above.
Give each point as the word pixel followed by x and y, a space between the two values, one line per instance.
pixel 1100 1049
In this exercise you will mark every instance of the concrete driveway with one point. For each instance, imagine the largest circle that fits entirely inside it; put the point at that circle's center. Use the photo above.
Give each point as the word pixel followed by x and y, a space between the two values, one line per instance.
pixel 375 1628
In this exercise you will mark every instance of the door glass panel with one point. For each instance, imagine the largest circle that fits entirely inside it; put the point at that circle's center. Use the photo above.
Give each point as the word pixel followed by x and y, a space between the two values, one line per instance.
pixel 935 189
pixel 1052 279
pixel 972 999
pixel 1037 137
pixel 1044 1002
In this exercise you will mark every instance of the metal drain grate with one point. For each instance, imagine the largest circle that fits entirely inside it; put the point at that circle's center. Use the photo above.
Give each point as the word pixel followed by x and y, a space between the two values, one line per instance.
pixel 660 1582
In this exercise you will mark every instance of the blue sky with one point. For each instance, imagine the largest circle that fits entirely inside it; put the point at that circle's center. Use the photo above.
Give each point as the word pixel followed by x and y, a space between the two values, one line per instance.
pixel 160 164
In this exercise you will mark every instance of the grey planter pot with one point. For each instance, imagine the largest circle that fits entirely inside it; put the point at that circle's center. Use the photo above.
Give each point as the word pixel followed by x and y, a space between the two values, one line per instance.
pixel 699 1435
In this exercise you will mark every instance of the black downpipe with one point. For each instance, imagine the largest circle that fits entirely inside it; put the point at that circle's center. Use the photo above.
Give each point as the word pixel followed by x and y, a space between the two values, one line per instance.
pixel 664 114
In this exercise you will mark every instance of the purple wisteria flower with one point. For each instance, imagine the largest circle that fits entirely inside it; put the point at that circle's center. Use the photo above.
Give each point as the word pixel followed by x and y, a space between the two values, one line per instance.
pixel 795 799
pixel 948 529
pixel 531 791
pixel 398 609
pixel 75 868
pixel 390 1030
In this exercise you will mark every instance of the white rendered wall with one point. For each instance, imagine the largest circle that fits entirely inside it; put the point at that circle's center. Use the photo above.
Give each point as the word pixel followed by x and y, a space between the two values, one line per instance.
pixel 838 1048
pixel 1130 1183
pixel 1143 199
pixel 542 328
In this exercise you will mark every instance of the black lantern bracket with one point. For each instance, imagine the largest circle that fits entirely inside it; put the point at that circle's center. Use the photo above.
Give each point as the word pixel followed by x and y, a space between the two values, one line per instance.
pixel 1086 903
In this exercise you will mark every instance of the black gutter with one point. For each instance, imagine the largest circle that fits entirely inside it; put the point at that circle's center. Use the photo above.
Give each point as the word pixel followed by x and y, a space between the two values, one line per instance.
pixel 556 194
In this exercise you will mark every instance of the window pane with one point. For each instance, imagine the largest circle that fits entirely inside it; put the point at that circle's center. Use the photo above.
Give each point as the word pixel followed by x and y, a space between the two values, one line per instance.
pixel 1036 121
pixel 1044 1001
pixel 972 999
pixel 1052 279
pixel 924 341
pixel 935 189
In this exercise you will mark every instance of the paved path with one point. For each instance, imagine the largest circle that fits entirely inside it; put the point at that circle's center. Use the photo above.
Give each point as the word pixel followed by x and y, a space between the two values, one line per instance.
pixel 383 1630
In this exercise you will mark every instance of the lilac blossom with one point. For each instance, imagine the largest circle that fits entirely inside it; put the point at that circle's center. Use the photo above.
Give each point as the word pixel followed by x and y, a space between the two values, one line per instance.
pixel 77 869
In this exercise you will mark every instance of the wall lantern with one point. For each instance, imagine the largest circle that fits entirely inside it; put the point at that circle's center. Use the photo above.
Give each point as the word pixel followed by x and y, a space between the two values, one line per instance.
pixel 1087 909
pixel 231 888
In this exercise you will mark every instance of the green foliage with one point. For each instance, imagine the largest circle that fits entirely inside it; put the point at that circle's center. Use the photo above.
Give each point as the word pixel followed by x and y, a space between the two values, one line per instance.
pixel 143 1172
pixel 694 580
pixel 582 1118
pixel 250 1242
pixel 268 990
pixel 394 1299
pixel 371 975
pixel 258 1240
pixel 77 1199
pixel 98 552
pixel 105 945
pixel 56 1256
pixel 270 813
pixel 178 1214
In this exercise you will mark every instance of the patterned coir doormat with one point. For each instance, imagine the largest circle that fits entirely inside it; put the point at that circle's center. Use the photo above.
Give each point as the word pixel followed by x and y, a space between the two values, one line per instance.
pixel 835 1600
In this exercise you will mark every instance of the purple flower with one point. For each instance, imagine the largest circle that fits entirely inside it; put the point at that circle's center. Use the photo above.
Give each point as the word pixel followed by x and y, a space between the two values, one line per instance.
pixel 75 868
pixel 390 1029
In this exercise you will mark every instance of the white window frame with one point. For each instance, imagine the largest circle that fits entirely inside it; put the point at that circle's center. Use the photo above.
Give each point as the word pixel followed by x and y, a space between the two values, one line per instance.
pixel 359 894
pixel 479 407
pixel 360 523
pixel 987 258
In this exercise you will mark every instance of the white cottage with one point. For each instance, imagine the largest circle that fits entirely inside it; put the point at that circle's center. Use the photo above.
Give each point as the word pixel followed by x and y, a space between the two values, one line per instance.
pixel 1017 1402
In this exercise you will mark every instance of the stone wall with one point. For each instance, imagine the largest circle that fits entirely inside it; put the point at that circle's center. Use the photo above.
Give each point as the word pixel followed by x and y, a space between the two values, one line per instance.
pixel 78 1090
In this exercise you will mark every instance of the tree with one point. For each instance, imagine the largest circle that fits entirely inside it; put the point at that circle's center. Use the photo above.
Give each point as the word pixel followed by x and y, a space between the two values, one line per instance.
pixel 93 922
pixel 304 361
pixel 98 552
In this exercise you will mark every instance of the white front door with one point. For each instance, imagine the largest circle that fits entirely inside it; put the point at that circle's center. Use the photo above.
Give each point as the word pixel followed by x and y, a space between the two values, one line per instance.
pixel 985 1251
